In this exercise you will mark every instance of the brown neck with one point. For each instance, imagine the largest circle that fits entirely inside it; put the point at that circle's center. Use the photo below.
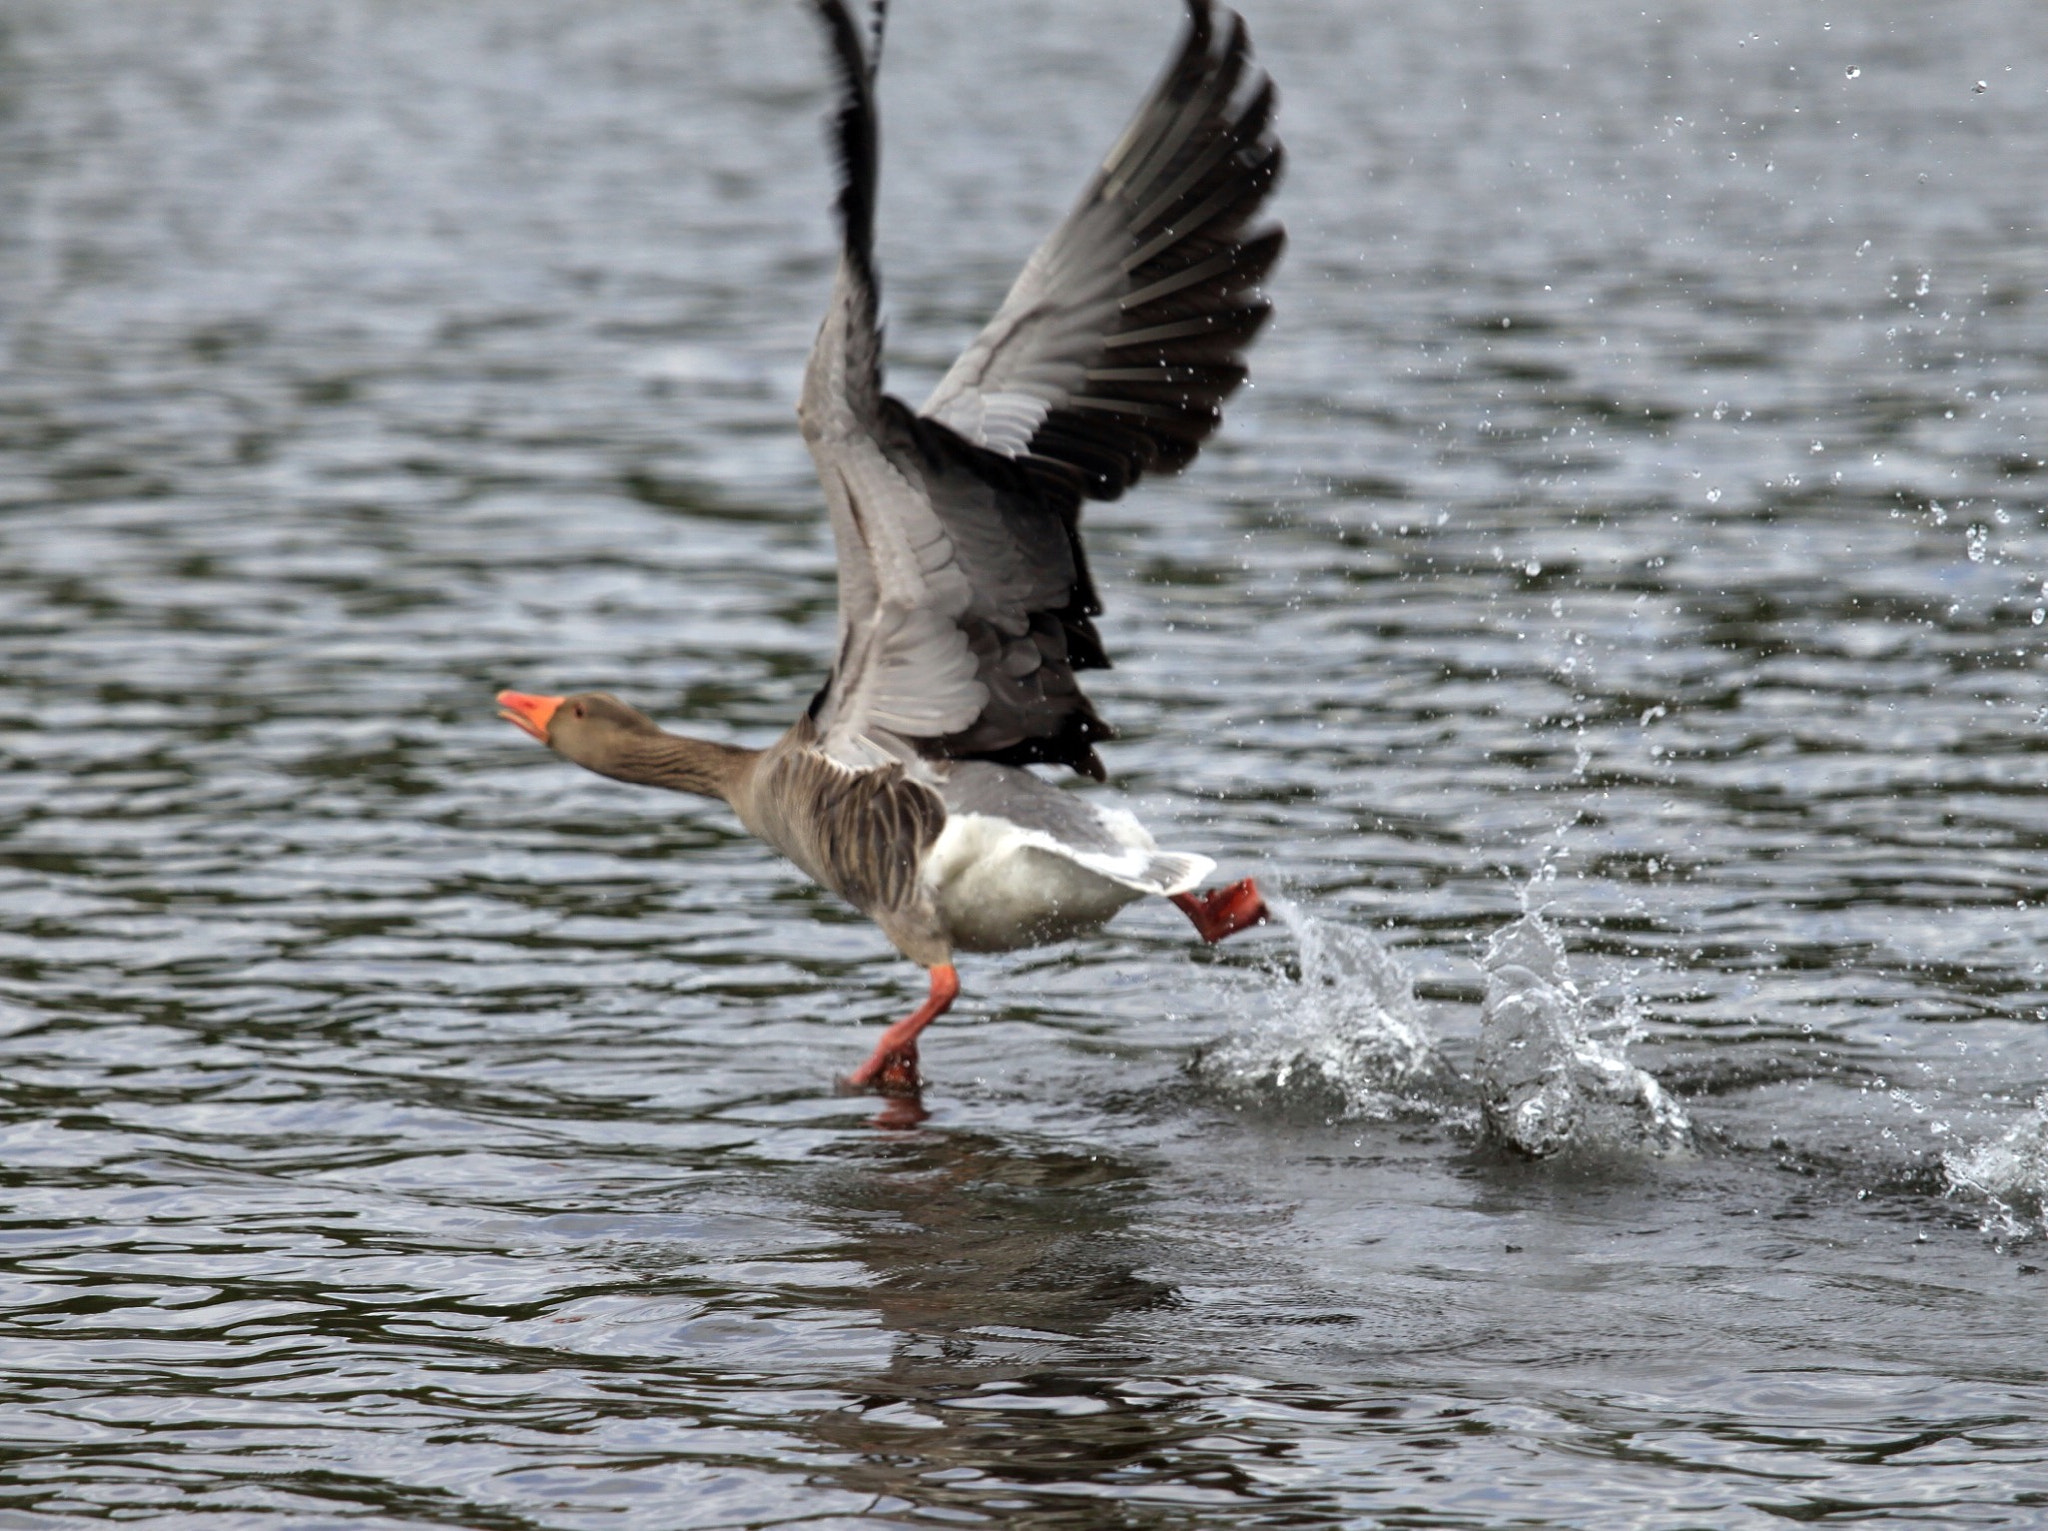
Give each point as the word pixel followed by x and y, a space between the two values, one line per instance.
pixel 680 764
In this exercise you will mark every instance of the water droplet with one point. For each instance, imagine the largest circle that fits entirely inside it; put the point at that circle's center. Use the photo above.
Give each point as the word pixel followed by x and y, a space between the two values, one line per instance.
pixel 1532 568
pixel 1816 447
pixel 1852 72
pixel 2040 615
pixel 1981 88
pixel 1713 496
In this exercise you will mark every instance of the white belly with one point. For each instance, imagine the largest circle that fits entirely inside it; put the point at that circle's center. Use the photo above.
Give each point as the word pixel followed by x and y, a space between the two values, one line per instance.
pixel 997 890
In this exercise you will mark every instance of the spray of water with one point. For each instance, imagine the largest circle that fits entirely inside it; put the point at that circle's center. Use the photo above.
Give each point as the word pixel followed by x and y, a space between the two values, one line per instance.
pixel 1553 1071
pixel 2010 1176
pixel 1346 1035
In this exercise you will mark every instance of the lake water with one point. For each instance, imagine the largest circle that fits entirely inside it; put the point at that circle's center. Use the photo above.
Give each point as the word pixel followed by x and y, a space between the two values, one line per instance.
pixel 1613 621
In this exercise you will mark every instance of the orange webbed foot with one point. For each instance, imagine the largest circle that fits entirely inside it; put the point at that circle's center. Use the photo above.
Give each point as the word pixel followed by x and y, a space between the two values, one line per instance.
pixel 891 1068
pixel 1224 911
pixel 887 1073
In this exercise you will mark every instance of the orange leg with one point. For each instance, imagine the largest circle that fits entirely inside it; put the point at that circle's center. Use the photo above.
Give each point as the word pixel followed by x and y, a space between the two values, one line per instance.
pixel 892 1067
pixel 1224 911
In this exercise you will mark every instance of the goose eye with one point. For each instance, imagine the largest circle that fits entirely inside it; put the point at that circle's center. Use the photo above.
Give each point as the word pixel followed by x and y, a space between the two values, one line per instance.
pixel 579 710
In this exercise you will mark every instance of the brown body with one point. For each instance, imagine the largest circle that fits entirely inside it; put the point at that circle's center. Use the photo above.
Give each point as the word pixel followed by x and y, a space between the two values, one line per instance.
pixel 863 834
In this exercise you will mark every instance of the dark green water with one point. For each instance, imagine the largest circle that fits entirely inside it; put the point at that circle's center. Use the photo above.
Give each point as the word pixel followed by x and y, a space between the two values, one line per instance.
pixel 1638 515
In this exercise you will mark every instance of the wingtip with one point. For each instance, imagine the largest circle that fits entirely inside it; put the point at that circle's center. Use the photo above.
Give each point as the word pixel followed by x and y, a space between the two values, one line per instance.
pixel 853 127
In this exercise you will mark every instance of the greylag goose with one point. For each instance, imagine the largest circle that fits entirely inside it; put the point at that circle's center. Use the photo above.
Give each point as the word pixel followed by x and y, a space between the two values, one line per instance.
pixel 965 604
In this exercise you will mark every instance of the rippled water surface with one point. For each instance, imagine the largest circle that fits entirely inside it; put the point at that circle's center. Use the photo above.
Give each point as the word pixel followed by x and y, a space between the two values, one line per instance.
pixel 1636 530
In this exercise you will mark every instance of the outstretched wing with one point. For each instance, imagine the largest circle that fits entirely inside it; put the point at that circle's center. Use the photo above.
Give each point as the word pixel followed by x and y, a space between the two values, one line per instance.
pixel 964 595
pixel 1113 352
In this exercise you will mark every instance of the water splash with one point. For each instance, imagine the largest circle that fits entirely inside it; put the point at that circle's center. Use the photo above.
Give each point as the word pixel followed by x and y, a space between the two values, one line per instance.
pixel 1346 1035
pixel 2010 1174
pixel 1552 1070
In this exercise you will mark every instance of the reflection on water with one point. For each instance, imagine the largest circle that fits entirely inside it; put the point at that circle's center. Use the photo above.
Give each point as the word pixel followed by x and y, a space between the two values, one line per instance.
pixel 976 1245
pixel 1004 1277
pixel 1641 491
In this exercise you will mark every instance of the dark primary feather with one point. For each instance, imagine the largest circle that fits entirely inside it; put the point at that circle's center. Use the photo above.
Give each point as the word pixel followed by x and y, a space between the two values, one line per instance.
pixel 1113 353
pixel 856 141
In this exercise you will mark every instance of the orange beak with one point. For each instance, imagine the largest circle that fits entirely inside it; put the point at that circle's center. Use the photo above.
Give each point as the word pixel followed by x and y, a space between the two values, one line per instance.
pixel 532 713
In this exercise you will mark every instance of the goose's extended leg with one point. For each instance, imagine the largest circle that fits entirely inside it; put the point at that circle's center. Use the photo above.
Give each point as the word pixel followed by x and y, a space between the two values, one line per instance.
pixel 892 1067
pixel 1224 911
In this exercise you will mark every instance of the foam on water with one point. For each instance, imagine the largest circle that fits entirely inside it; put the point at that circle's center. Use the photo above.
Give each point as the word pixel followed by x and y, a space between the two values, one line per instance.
pixel 1346 1032
pixel 1554 1072
pixel 2010 1174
